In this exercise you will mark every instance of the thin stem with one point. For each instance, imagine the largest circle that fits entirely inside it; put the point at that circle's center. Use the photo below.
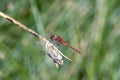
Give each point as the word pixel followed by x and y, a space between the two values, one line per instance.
pixel 22 26
pixel 50 48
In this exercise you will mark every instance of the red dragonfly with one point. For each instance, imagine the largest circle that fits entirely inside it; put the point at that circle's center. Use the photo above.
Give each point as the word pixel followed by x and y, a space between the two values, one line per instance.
pixel 60 40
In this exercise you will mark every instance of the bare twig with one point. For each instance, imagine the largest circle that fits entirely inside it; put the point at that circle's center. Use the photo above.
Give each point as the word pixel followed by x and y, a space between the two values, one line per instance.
pixel 51 50
pixel 22 26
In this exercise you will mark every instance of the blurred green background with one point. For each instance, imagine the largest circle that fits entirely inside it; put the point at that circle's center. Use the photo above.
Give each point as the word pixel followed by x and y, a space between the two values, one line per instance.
pixel 92 26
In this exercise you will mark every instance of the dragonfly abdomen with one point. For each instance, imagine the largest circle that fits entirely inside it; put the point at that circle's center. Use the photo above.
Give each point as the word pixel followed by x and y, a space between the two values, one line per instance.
pixel 73 48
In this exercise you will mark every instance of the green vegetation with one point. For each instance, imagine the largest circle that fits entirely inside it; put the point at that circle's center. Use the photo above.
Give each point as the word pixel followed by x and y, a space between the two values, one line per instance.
pixel 93 26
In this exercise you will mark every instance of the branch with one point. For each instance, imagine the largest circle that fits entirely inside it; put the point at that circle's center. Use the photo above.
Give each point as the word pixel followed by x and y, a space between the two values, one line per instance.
pixel 22 26
pixel 51 50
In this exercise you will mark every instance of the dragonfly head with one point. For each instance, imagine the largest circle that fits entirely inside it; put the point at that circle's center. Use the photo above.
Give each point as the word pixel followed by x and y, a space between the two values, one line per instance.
pixel 53 37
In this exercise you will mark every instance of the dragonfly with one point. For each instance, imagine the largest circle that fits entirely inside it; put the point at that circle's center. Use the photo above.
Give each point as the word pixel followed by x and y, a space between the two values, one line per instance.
pixel 58 39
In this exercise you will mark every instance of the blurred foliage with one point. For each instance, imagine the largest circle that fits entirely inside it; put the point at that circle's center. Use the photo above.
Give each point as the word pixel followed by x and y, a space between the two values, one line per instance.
pixel 93 26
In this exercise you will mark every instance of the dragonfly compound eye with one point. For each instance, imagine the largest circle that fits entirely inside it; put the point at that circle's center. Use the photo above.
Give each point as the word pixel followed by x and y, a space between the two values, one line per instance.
pixel 52 37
